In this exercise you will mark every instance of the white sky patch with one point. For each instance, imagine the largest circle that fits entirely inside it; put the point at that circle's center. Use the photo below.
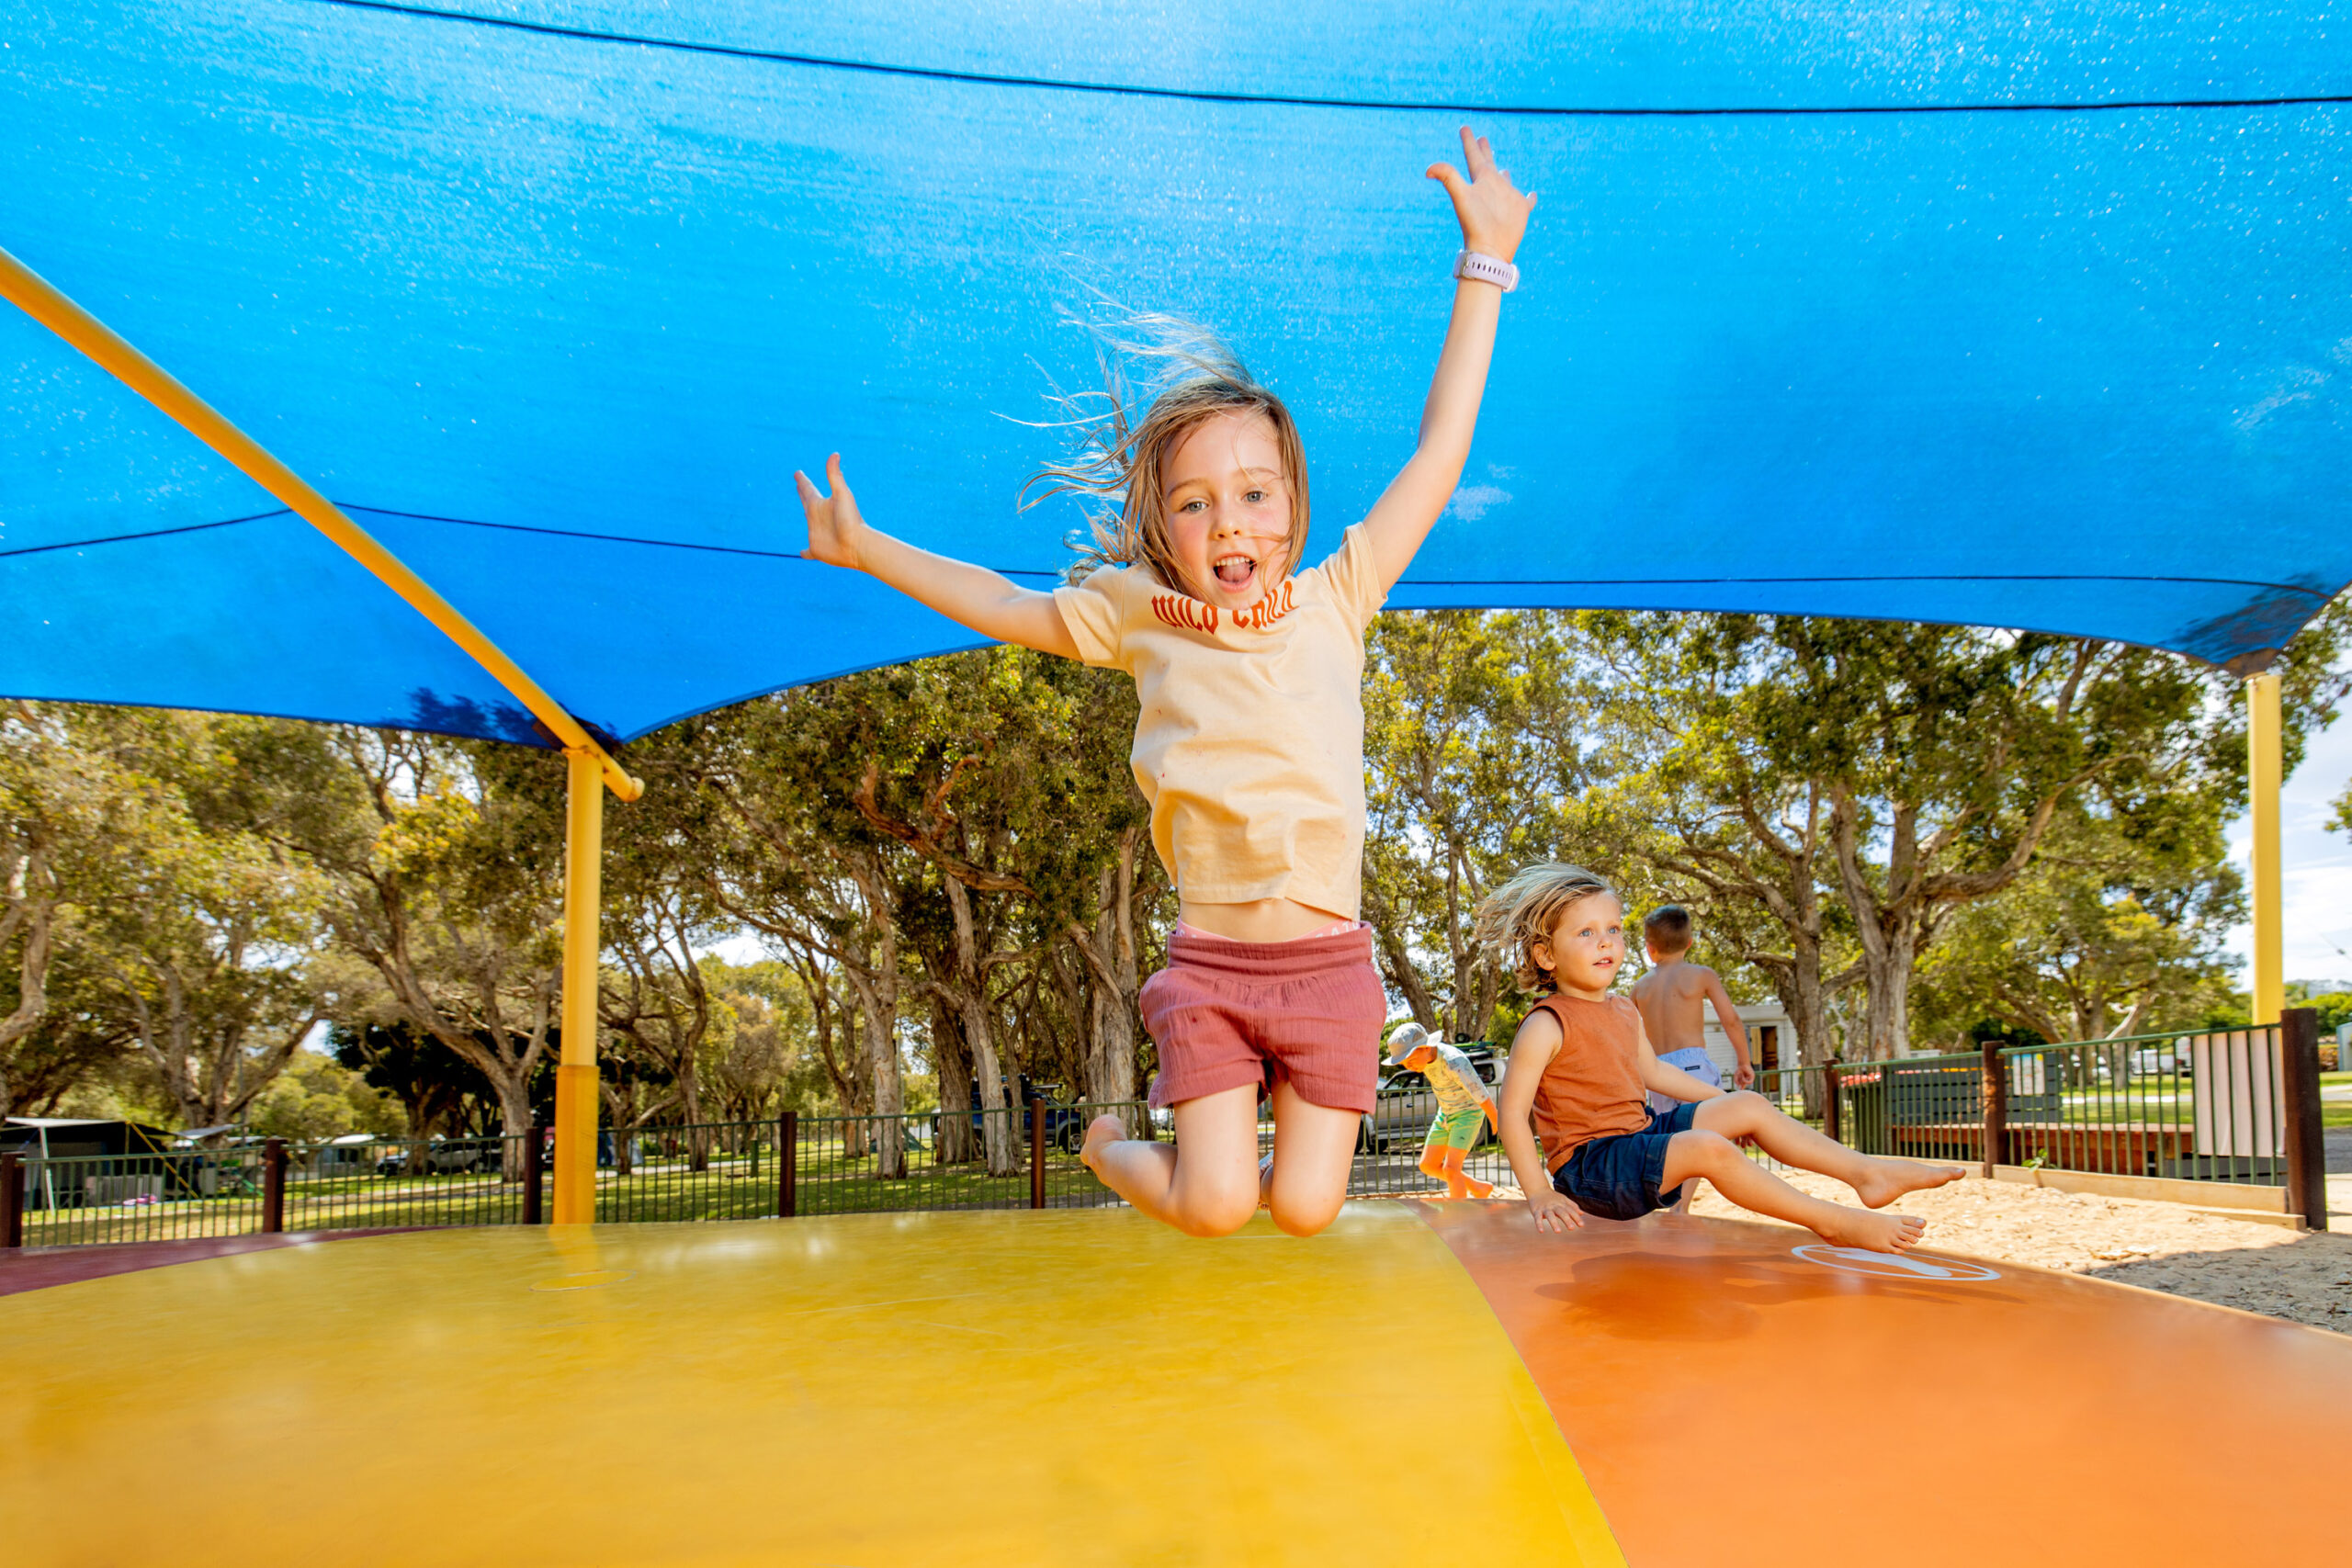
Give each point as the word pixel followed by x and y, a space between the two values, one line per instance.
pixel 2316 889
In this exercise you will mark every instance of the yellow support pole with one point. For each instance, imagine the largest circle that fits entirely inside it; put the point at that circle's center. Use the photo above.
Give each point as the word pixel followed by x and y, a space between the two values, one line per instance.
pixel 38 298
pixel 2264 768
pixel 591 764
pixel 575 1076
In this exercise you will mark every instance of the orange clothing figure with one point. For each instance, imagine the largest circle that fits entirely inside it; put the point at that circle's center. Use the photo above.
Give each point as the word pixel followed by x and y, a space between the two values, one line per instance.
pixel 1464 1106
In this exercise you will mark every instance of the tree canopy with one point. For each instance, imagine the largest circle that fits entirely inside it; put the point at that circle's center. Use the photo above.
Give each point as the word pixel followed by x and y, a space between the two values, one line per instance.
pixel 1911 835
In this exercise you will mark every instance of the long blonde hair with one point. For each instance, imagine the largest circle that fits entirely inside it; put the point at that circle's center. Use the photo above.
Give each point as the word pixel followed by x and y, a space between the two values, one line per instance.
pixel 1522 912
pixel 1192 378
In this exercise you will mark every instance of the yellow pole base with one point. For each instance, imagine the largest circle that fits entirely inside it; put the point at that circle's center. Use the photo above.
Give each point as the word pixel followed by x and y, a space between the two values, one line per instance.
pixel 575 1143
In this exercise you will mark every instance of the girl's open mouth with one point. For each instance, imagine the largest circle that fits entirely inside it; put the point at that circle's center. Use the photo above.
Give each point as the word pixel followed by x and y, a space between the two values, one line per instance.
pixel 1234 571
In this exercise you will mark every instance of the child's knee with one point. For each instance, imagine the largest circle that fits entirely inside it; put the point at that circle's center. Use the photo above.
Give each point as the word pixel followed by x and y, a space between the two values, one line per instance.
pixel 1214 1209
pixel 1702 1150
pixel 1308 1217
pixel 1216 1215
pixel 1745 1108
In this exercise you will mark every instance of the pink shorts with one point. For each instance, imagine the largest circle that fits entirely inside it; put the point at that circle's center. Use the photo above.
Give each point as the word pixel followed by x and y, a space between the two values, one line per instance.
pixel 1227 1013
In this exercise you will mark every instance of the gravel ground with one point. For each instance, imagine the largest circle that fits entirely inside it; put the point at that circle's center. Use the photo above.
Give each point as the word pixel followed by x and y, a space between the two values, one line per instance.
pixel 2301 1277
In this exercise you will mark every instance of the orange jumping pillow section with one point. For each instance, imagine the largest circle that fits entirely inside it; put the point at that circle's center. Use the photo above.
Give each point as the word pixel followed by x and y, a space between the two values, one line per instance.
pixel 1743 1392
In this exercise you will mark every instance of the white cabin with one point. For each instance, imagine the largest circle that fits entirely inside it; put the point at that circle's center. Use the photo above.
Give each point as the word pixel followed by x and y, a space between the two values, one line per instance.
pixel 1771 1039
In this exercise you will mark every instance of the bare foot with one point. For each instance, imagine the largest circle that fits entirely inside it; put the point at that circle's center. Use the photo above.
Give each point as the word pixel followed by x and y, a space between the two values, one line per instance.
pixel 1887 1179
pixel 1873 1233
pixel 1105 1129
pixel 1469 1187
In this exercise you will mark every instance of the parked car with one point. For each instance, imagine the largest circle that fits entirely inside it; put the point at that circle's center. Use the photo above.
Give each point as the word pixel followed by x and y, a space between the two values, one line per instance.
pixel 443 1156
pixel 1064 1124
pixel 1407 1105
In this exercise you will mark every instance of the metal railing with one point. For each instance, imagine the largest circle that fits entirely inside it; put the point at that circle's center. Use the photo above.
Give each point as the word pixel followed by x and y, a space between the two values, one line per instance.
pixel 2192 1105
pixel 2196 1105
pixel 1006 1158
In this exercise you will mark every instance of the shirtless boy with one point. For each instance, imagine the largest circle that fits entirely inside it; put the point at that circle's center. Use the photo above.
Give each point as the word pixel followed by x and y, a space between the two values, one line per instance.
pixel 1579 1066
pixel 1674 998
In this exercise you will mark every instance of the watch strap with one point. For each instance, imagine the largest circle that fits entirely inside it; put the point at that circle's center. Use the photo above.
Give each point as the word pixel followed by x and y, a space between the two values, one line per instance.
pixel 1487 269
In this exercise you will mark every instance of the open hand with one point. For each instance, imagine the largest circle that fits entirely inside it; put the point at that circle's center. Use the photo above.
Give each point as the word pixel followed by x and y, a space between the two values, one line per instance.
pixel 834 525
pixel 1553 1211
pixel 1492 210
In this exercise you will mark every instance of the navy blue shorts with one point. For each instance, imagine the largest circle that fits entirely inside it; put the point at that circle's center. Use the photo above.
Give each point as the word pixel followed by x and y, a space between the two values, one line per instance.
pixel 1617 1177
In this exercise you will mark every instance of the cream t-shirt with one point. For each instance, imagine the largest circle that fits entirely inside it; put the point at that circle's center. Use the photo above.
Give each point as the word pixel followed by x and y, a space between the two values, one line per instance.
pixel 1250 747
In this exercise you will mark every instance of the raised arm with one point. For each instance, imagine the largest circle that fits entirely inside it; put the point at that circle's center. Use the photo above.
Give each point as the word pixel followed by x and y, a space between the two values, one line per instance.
pixel 1743 1073
pixel 989 602
pixel 1493 215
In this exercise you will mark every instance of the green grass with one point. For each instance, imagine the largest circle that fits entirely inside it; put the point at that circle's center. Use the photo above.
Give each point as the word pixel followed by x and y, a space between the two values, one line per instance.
pixel 661 1190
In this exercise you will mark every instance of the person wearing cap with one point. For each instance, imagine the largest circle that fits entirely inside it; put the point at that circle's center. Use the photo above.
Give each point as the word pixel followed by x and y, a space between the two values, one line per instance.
pixel 1465 1104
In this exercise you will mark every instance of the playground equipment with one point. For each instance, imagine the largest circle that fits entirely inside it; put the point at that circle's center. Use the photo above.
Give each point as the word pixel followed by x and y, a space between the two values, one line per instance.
pixel 1954 320
pixel 2013 317
pixel 1088 1387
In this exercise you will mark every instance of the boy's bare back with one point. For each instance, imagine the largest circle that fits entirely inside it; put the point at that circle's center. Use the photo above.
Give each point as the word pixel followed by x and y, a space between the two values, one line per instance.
pixel 1673 999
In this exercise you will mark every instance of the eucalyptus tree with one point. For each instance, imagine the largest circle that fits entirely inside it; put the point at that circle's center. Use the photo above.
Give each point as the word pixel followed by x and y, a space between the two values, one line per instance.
pixel 998 772
pixel 73 817
pixel 780 849
pixel 1477 725
pixel 1908 772
pixel 208 947
pixel 2080 951
pixel 443 866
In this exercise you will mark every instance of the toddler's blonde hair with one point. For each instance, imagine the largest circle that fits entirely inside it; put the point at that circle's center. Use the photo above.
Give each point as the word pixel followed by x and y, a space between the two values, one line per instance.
pixel 1120 461
pixel 1522 912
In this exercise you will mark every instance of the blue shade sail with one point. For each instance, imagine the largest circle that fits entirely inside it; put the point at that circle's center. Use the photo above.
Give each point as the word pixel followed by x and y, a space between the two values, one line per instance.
pixel 2006 315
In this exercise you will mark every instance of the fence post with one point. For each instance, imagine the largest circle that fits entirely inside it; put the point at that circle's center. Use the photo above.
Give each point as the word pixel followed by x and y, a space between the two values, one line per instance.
pixel 787 1165
pixel 1829 1114
pixel 12 1201
pixel 2306 1145
pixel 534 1165
pixel 1996 1108
pixel 1037 1153
pixel 273 1185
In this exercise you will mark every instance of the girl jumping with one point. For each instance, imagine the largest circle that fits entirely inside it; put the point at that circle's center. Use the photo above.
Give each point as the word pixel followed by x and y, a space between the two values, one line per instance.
pixel 1250 745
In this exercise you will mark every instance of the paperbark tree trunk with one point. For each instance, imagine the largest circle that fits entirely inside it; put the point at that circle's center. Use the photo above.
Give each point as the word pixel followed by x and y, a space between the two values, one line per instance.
pixel 875 980
pixel 952 1059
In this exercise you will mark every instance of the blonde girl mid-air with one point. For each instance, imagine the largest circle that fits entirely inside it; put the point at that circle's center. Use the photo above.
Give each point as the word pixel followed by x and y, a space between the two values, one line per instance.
pixel 1249 743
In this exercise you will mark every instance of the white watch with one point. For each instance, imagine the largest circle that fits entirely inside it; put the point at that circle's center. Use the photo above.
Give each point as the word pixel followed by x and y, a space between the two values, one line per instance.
pixel 1487 269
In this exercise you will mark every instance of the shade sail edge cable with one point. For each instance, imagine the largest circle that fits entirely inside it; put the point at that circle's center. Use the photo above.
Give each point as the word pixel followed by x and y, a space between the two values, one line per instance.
pixel 137 535
pixel 111 353
pixel 2317 595
pixel 1195 95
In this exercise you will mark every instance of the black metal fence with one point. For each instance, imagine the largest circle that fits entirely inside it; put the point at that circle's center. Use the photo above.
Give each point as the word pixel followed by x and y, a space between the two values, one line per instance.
pixel 2201 1106
pixel 2195 1105
pixel 1010 1158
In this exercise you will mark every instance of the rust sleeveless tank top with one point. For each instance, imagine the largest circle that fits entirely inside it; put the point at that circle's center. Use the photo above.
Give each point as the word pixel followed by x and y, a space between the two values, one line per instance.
pixel 1592 1086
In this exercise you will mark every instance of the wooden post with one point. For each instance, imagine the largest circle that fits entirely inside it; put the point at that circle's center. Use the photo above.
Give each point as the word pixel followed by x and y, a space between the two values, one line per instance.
pixel 1829 1116
pixel 2306 1145
pixel 12 1201
pixel 787 1165
pixel 535 1166
pixel 1037 1153
pixel 1996 1108
pixel 273 1185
